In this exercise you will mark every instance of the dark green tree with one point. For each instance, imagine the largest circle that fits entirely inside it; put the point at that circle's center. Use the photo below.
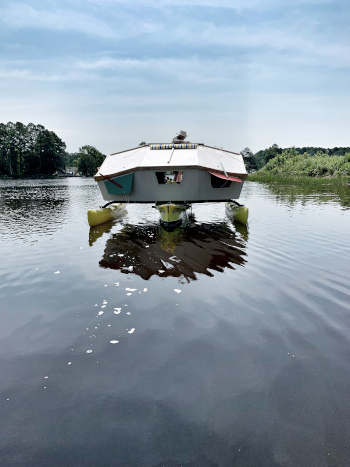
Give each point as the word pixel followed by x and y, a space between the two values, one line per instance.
pixel 89 159
pixel 51 150
pixel 249 159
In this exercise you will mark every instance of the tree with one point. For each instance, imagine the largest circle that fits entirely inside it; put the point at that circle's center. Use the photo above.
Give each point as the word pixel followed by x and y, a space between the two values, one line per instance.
pixel 71 159
pixel 51 150
pixel 247 153
pixel 249 159
pixel 89 159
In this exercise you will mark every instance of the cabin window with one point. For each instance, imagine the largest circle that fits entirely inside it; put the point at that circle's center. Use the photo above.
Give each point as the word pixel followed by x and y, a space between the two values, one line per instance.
pixel 217 182
pixel 169 177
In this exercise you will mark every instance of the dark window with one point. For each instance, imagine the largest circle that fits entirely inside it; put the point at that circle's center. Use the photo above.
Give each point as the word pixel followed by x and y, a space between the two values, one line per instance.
pixel 169 177
pixel 217 182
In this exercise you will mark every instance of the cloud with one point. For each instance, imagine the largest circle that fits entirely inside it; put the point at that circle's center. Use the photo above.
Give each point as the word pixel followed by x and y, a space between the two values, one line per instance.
pixel 209 64
pixel 28 75
pixel 19 15
pixel 229 4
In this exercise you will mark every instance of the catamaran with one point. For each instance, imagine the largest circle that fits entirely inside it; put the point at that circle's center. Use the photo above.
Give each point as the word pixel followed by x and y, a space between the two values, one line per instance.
pixel 170 175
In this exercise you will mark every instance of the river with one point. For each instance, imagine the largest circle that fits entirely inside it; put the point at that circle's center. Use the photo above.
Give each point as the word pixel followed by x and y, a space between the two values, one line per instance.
pixel 213 345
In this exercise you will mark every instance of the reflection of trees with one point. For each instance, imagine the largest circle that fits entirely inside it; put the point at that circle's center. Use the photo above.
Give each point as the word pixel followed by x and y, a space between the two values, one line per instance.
pixel 304 193
pixel 32 208
pixel 151 250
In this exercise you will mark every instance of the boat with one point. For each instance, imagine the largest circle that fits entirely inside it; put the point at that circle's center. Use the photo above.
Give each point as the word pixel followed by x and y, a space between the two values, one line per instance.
pixel 105 214
pixel 172 176
pixel 237 211
pixel 171 214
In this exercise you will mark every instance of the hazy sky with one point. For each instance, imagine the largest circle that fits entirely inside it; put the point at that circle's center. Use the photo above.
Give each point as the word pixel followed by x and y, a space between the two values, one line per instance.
pixel 112 73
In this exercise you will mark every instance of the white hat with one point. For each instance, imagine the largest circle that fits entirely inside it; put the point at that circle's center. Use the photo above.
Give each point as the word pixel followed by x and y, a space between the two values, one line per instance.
pixel 183 133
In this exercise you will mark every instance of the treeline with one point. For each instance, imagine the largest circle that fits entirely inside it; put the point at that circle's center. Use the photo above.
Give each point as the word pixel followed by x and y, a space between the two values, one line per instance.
pixel 31 150
pixel 261 158
pixel 292 163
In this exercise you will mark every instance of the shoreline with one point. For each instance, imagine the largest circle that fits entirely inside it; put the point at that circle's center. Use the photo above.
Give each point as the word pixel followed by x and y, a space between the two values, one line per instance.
pixel 39 177
pixel 299 179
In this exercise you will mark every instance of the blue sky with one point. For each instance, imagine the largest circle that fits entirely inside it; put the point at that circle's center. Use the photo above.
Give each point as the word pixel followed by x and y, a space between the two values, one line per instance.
pixel 112 73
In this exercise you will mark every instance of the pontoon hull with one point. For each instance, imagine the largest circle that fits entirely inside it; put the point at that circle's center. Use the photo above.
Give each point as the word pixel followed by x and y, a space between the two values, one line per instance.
pixel 237 211
pixel 102 215
pixel 172 215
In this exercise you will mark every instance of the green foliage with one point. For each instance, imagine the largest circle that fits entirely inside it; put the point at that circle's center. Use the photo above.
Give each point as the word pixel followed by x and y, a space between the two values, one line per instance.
pixel 29 149
pixel 89 159
pixel 249 159
pixel 71 159
pixel 262 157
pixel 290 163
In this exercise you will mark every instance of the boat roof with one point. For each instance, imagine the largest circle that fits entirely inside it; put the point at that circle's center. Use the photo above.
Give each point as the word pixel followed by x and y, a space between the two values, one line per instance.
pixel 169 156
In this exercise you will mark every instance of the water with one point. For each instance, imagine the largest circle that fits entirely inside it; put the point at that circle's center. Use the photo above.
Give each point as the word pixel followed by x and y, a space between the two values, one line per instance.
pixel 216 345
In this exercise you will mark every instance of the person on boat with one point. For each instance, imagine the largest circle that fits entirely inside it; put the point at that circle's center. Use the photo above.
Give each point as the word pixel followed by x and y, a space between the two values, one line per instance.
pixel 180 138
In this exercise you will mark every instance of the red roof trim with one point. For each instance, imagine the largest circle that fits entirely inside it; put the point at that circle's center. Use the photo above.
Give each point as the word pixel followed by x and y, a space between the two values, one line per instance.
pixel 220 175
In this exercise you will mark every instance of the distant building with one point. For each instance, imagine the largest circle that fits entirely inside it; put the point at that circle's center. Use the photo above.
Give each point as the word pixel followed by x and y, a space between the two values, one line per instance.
pixel 72 171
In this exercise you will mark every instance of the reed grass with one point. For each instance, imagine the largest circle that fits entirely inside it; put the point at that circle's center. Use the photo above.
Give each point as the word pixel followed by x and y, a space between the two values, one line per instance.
pixel 304 169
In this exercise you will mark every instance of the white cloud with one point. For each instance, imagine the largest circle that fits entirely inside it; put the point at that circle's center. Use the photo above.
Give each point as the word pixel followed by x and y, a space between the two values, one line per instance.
pixel 19 15
pixel 110 63
pixel 231 4
pixel 28 75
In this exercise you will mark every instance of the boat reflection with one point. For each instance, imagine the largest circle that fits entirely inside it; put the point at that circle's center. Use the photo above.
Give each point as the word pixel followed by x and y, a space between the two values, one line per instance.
pixel 149 250
pixel 96 232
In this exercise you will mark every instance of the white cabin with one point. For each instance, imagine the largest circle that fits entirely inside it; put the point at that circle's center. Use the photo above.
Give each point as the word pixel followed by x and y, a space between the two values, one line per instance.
pixel 184 172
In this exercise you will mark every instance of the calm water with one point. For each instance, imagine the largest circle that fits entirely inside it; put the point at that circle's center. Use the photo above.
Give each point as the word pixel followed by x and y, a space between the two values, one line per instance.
pixel 215 345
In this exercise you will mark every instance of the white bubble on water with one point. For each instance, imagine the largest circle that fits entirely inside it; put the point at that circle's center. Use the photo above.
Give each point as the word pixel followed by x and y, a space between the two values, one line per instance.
pixel 117 284
pixel 129 293
pixel 117 311
pixel 145 289
pixel 104 302
pixel 130 290
pixel 103 306
pixel 114 342
pixel 177 290
pixel 89 351
pixel 128 313
pixel 57 272
pixel 100 313
pixel 69 363
pixel 131 331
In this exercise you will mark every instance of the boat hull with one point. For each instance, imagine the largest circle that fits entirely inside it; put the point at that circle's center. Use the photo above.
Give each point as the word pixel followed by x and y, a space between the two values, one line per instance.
pixel 102 215
pixel 172 215
pixel 237 211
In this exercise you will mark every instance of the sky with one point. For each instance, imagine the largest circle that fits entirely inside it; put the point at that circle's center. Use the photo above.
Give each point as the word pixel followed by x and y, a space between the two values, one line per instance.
pixel 232 73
